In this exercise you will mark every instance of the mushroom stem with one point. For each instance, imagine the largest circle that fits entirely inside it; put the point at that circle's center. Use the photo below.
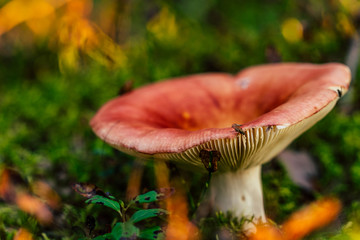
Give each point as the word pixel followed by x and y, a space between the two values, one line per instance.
pixel 239 192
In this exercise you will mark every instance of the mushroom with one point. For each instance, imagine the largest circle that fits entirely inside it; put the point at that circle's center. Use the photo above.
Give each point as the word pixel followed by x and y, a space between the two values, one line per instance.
pixel 246 119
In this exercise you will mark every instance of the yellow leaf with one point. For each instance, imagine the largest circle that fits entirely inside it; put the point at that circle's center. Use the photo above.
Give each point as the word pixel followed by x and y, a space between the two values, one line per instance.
pixel 345 24
pixel 292 30
pixel 68 58
pixel 352 6
pixel 163 25
pixel 18 11
pixel 41 26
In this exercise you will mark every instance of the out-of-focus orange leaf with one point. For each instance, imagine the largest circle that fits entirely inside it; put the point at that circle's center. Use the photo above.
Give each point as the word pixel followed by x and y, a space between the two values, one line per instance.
pixel 79 8
pixel 179 227
pixel 34 206
pixel 108 14
pixel 5 186
pixel 133 187
pixel 23 234
pixel 310 218
pixel 10 182
pixel 76 34
pixel 14 190
pixel 266 232
pixel 105 51
pixel 42 26
pixel 302 222
pixel 46 193
pixel 18 11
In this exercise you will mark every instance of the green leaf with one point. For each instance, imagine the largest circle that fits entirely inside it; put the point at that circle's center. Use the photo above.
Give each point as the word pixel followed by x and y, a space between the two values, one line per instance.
pixel 148 213
pixel 152 233
pixel 117 230
pixel 153 196
pixel 106 236
pixel 114 204
pixel 125 230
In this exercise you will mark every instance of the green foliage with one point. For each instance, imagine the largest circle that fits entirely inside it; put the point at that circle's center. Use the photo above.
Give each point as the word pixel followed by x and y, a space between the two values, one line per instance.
pixel 148 197
pixel 12 216
pixel 106 201
pixel 335 144
pixel 127 228
pixel 281 195
pixel 147 213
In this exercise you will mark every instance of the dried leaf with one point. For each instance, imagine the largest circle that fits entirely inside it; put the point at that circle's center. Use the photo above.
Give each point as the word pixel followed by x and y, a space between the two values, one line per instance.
pixel 88 190
pixel 237 128
pixel 126 88
pixel 210 159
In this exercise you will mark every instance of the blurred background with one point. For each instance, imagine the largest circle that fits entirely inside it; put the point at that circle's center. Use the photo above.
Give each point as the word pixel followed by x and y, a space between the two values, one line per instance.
pixel 60 60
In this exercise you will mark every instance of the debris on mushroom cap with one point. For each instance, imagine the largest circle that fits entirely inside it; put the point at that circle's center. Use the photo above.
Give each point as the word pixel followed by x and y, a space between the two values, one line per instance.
pixel 176 119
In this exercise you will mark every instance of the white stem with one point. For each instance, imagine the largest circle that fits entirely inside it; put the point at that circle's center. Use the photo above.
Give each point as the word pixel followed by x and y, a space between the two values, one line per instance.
pixel 239 192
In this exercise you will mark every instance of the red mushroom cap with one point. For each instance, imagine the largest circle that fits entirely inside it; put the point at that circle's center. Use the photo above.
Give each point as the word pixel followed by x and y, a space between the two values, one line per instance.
pixel 175 119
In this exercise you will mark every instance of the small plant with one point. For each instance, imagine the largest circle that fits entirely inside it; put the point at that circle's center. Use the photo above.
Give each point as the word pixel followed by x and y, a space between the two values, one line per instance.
pixel 126 228
pixel 226 222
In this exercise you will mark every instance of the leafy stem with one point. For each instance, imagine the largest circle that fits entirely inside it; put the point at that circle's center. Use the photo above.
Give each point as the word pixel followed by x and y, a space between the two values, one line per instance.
pixel 126 228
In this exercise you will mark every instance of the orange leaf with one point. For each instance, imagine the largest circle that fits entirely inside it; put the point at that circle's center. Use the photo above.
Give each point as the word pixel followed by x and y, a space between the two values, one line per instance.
pixel 179 226
pixel 23 234
pixel 310 218
pixel 10 182
pixel 45 192
pixel 34 206
pixel 266 232
pixel 18 11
